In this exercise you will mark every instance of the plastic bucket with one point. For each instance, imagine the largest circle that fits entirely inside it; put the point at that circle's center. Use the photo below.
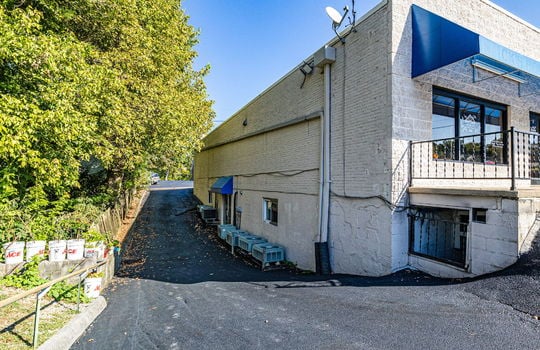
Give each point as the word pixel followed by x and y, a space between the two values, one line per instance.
pixel 57 250
pixel 92 286
pixel 35 248
pixel 106 252
pixel 75 249
pixel 14 252
pixel 94 250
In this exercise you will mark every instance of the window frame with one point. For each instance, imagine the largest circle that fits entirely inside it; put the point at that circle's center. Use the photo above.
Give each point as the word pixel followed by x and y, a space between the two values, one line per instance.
pixel 536 116
pixel 462 222
pixel 270 212
pixel 483 104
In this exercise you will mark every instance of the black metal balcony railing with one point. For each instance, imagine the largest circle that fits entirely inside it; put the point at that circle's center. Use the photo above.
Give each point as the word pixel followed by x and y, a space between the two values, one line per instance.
pixel 509 154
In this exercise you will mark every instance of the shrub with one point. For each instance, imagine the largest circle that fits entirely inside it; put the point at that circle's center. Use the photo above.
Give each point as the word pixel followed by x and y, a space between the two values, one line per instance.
pixel 67 292
pixel 27 278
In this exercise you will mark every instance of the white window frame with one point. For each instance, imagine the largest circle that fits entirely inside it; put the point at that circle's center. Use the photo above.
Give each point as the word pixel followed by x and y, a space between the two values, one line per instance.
pixel 267 211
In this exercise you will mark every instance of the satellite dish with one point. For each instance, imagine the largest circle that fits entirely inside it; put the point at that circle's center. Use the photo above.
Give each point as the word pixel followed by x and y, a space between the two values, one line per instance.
pixel 334 15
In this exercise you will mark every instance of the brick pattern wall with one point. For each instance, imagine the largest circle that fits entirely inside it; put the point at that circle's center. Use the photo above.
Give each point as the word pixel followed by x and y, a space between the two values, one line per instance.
pixel 360 151
pixel 361 114
pixel 411 99
pixel 281 164
pixel 281 102
pixel 360 225
pixel 376 109
pixel 284 160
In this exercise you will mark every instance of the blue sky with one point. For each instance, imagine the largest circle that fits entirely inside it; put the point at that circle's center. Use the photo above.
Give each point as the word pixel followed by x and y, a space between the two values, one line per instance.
pixel 250 44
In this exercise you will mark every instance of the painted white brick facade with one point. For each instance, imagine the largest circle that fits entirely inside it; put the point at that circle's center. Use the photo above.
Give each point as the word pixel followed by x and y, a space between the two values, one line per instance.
pixel 272 147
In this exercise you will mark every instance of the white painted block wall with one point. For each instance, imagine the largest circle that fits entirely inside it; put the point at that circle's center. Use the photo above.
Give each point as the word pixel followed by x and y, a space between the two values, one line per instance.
pixel 376 109
pixel 411 108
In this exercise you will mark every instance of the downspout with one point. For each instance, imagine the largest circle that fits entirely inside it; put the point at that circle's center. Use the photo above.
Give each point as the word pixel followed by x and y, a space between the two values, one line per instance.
pixel 323 59
pixel 325 157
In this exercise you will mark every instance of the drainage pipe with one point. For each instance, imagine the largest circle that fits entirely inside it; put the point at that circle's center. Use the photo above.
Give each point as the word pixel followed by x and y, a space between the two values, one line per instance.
pixel 322 251
pixel 325 158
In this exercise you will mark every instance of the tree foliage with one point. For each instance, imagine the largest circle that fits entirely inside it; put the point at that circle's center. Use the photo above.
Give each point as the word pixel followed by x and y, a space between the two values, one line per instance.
pixel 92 87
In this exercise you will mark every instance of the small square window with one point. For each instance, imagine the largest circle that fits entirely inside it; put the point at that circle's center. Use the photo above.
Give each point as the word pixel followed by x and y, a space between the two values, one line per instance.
pixel 479 215
pixel 270 210
pixel 534 119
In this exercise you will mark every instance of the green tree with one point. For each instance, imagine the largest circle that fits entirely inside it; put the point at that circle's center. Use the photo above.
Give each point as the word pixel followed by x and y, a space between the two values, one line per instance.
pixel 47 117
pixel 165 110
pixel 106 84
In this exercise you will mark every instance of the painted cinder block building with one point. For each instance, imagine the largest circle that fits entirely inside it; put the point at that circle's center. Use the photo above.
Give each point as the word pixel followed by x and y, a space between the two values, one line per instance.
pixel 410 143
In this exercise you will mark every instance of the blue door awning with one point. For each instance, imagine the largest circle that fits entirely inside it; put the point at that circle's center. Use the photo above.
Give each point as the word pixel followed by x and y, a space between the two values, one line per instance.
pixel 223 185
pixel 438 42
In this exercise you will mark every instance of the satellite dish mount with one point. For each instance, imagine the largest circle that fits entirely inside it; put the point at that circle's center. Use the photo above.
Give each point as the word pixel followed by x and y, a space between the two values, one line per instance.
pixel 337 19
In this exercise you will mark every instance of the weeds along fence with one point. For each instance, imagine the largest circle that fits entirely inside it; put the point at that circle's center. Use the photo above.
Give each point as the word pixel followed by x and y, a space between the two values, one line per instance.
pixel 111 219
pixel 109 222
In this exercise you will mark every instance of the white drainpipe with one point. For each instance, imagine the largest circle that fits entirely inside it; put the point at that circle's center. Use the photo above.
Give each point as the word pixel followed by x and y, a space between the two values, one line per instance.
pixel 324 59
pixel 325 159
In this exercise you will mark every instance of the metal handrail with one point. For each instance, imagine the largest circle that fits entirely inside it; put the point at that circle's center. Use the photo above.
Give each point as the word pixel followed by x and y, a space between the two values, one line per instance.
pixel 39 288
pixel 518 157
pixel 42 289
pixel 468 136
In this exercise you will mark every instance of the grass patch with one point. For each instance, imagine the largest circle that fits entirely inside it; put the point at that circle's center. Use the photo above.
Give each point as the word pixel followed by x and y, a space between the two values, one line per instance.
pixel 17 319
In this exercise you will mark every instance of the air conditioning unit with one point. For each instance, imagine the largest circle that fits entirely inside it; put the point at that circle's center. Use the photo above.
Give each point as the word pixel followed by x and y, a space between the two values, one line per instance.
pixel 268 253
pixel 202 207
pixel 223 229
pixel 208 213
pixel 246 243
pixel 231 237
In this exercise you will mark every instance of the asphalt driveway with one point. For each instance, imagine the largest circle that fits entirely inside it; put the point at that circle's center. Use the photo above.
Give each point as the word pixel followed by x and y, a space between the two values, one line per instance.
pixel 179 288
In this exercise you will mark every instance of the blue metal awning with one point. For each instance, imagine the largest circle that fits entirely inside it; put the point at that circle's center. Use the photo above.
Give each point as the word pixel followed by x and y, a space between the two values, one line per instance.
pixel 223 185
pixel 438 42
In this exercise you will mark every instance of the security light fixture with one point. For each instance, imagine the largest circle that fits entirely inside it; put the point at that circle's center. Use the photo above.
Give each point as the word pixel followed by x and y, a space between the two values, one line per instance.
pixel 306 68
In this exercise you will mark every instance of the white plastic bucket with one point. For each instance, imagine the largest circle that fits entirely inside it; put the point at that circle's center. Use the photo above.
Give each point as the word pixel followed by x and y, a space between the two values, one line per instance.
pixel 57 250
pixel 14 252
pixel 75 249
pixel 94 250
pixel 35 248
pixel 92 286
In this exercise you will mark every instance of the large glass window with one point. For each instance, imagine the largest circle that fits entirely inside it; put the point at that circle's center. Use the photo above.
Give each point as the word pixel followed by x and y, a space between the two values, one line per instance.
pixel 443 119
pixel 467 129
pixel 494 141
pixel 470 128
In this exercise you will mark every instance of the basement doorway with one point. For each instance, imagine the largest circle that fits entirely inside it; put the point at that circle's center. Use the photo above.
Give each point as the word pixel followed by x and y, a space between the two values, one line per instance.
pixel 440 234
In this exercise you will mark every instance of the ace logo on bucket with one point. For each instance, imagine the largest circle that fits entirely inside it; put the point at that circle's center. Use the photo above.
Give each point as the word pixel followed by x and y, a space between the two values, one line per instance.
pixel 75 249
pixel 92 286
pixel 13 254
pixel 35 248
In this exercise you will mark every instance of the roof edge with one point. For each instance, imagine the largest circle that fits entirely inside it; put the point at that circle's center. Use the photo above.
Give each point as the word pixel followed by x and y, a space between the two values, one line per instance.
pixel 332 42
